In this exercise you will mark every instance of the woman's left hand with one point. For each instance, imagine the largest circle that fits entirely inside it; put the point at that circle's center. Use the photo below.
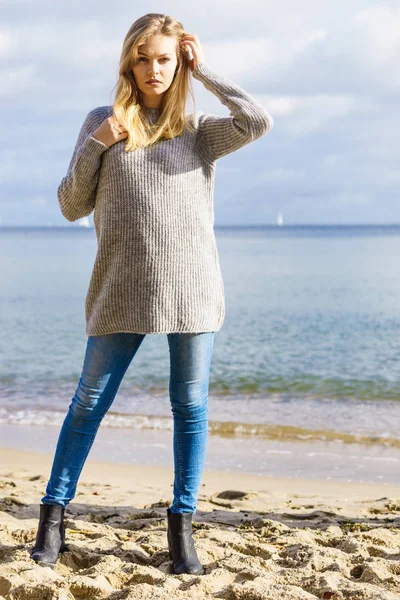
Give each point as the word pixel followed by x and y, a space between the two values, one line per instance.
pixel 192 40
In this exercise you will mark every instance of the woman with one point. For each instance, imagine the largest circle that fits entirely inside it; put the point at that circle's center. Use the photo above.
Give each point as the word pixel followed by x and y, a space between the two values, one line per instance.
pixel 147 170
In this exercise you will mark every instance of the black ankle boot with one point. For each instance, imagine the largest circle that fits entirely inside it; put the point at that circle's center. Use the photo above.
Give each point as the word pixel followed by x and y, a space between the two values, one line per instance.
pixel 50 535
pixel 181 544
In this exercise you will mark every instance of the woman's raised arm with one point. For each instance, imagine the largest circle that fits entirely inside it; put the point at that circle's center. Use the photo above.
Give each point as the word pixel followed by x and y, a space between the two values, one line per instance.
pixel 248 121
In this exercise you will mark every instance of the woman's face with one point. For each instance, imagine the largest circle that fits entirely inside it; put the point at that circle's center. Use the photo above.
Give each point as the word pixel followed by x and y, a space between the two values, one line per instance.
pixel 156 60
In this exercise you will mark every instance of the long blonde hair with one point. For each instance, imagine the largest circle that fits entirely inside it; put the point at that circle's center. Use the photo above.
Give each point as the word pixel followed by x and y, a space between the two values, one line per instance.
pixel 128 106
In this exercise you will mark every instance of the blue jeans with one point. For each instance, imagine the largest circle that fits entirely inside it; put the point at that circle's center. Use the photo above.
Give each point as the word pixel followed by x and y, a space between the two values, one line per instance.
pixel 106 360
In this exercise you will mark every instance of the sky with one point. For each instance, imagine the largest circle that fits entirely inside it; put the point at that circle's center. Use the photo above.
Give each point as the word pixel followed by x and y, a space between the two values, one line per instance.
pixel 328 72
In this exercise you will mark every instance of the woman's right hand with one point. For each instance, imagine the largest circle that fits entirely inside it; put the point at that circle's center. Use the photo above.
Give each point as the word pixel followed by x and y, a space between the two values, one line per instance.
pixel 109 132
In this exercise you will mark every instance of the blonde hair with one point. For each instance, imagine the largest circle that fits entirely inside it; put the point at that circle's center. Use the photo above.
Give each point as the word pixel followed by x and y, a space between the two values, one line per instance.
pixel 128 106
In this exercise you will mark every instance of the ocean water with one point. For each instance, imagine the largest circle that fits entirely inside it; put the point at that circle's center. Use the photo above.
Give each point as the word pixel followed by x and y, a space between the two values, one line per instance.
pixel 309 352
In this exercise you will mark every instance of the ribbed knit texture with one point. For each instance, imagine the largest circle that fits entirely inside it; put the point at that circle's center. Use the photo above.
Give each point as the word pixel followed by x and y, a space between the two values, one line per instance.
pixel 157 267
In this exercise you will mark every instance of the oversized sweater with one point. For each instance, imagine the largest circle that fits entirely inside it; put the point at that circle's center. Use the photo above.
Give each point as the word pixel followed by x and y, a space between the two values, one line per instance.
pixel 157 267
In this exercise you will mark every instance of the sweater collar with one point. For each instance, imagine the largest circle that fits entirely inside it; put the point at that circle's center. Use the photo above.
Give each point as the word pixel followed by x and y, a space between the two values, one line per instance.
pixel 152 110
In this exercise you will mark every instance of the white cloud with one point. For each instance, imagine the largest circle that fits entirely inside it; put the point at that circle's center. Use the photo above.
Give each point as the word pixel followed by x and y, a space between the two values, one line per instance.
pixel 310 39
pixel 282 174
pixel 378 29
pixel 4 44
pixel 20 80
pixel 83 45
pixel 39 201
pixel 303 115
pixel 330 160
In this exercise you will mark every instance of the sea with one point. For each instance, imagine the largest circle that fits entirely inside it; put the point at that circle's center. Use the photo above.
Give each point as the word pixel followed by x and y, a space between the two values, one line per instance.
pixel 305 373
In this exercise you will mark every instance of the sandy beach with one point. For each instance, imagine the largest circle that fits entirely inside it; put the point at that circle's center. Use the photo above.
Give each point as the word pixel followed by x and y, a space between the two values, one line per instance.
pixel 257 537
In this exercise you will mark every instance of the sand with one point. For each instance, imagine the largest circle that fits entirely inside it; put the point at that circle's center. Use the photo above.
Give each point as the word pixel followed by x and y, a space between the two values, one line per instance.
pixel 257 537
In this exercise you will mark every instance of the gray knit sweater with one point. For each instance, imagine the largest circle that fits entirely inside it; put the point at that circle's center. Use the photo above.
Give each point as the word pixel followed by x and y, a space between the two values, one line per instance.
pixel 157 267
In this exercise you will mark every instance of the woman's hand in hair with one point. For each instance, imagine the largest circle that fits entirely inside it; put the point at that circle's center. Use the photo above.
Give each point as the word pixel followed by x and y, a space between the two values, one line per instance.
pixel 192 41
pixel 109 132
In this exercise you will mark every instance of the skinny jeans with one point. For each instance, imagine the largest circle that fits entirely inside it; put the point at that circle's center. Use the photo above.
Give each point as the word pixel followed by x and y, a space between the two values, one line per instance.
pixel 107 357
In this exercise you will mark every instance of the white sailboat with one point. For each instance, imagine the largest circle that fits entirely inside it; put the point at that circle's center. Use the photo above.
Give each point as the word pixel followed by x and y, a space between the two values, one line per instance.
pixel 279 219
pixel 84 222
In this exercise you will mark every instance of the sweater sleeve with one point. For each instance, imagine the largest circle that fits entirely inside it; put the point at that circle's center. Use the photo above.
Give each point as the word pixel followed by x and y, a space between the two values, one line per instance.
pixel 248 121
pixel 77 190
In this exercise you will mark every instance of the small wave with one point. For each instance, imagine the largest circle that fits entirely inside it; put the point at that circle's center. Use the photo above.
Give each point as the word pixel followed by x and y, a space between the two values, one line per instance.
pixel 226 429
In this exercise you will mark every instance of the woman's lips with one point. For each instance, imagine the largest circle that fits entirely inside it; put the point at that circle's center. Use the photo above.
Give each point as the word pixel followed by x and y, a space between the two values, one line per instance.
pixel 153 82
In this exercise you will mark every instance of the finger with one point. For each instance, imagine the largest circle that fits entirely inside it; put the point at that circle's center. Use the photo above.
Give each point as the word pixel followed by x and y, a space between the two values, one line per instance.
pixel 191 39
pixel 187 43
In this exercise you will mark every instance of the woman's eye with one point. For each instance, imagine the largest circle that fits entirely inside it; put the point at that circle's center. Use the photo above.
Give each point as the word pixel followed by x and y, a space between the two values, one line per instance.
pixel 144 58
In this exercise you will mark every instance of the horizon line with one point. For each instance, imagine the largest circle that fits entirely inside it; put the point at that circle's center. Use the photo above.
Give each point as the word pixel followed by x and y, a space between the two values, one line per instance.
pixel 252 226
